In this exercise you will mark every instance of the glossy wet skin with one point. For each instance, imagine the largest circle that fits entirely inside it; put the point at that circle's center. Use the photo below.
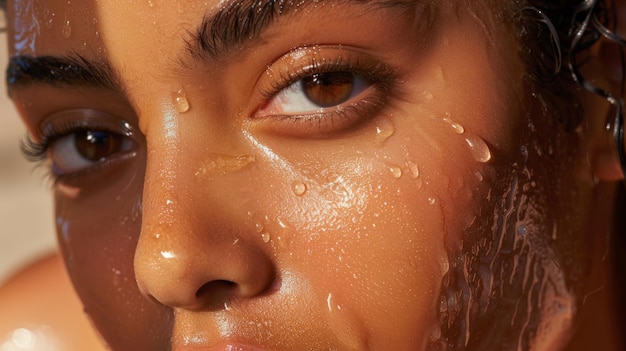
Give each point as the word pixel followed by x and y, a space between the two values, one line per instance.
pixel 222 214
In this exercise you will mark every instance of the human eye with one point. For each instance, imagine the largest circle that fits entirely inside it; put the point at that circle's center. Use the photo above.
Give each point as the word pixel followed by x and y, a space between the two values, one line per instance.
pixel 321 92
pixel 77 143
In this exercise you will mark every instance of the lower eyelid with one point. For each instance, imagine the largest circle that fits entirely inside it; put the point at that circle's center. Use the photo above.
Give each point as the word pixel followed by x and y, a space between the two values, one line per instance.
pixel 328 123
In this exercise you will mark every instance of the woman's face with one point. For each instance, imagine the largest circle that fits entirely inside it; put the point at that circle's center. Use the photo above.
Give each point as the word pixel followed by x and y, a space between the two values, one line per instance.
pixel 286 175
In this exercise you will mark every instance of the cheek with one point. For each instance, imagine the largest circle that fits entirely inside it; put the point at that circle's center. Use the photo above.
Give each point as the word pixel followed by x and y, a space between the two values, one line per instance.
pixel 369 232
pixel 98 247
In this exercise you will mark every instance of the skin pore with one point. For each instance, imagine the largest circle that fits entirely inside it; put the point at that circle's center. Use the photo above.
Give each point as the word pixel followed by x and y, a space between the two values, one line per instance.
pixel 241 177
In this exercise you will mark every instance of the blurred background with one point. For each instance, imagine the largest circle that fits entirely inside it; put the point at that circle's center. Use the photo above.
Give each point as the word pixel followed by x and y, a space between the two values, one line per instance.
pixel 26 219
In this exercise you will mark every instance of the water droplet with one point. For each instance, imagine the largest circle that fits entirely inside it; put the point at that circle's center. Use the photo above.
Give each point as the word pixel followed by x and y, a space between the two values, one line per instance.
pixel 428 95
pixel 436 334
pixel 479 176
pixel 48 19
pixel 283 223
pixel 455 126
pixel 414 169
pixel 522 230
pixel 524 151
pixel 298 188
pixel 329 300
pixel 181 102
pixel 266 237
pixel 168 254
pixel 66 31
pixel 479 148
pixel 395 171
pixel 384 129
pixel 259 227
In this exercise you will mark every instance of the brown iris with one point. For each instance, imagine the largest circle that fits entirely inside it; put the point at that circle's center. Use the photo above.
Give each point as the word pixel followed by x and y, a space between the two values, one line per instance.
pixel 96 145
pixel 328 89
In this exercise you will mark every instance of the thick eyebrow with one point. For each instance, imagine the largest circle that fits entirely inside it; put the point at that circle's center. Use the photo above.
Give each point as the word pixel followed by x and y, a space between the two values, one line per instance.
pixel 75 70
pixel 242 21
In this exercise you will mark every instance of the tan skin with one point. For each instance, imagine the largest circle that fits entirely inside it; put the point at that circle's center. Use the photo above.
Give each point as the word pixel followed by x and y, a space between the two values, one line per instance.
pixel 222 210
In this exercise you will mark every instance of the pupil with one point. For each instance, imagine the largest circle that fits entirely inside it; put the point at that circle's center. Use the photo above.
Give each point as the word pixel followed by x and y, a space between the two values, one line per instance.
pixel 328 89
pixel 96 145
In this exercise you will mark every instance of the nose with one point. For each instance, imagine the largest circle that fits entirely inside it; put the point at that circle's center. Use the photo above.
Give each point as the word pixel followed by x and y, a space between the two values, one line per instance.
pixel 195 250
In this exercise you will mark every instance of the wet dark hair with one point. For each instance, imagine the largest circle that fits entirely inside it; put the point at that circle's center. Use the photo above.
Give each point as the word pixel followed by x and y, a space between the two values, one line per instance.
pixel 555 38
pixel 554 35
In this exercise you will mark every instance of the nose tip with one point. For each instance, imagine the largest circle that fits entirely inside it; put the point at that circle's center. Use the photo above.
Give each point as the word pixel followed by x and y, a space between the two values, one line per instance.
pixel 203 279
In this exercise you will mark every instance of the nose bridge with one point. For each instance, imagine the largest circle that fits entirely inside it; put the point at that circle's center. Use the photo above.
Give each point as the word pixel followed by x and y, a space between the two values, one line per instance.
pixel 192 251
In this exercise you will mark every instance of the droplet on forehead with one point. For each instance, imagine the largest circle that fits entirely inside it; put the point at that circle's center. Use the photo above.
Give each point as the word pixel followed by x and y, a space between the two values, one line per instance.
pixel 67 29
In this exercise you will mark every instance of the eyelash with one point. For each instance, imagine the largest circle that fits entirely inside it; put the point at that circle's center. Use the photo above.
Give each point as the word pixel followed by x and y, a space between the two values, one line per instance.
pixel 378 73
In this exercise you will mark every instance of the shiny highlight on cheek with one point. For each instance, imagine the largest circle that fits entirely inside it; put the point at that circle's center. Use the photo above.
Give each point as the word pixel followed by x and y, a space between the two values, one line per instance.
pixel 221 164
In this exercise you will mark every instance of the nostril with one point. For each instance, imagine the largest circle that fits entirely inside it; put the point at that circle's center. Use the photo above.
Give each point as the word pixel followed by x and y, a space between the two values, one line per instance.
pixel 214 285
pixel 215 293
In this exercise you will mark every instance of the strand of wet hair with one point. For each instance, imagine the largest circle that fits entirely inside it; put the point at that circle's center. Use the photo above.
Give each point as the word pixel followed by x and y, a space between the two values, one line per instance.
pixel 592 21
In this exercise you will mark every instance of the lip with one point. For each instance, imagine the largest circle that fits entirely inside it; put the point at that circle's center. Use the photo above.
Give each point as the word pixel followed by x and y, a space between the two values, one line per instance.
pixel 227 346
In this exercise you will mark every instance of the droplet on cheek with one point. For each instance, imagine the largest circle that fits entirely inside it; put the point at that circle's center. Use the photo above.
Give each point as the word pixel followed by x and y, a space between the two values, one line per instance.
pixel 478 148
pixel 68 191
pixel 479 176
pixel 396 172
pixel 458 128
pixel 298 188
pixel 384 129
pixel 266 237
pixel 428 95
pixel 181 102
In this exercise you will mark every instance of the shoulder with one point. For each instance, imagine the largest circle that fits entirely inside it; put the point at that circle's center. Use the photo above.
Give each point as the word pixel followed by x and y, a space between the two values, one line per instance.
pixel 41 311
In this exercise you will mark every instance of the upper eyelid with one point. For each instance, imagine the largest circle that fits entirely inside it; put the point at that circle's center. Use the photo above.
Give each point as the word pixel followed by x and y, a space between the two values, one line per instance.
pixel 84 118
pixel 351 60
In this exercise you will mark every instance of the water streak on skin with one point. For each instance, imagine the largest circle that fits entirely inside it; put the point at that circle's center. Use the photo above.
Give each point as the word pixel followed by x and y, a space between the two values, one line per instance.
pixel 221 164
pixel 280 163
